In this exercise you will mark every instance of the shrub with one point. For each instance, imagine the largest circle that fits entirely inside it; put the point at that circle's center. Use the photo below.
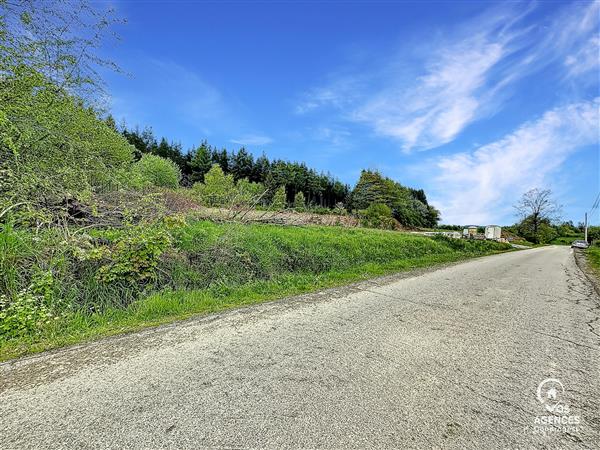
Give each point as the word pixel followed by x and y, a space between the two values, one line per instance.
pixel 153 170
pixel 218 189
pixel 29 310
pixel 378 215
pixel 247 193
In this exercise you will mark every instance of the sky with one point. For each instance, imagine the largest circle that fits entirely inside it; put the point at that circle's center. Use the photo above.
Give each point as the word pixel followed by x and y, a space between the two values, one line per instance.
pixel 475 102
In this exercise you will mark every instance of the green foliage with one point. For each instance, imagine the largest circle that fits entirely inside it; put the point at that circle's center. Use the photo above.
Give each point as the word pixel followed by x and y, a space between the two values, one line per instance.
pixel 409 206
pixel 318 189
pixel 594 234
pixel 53 147
pixel 299 200
pixel 29 310
pixel 593 257
pixel 279 201
pixel 218 189
pixel 538 232
pixel 156 171
pixel 248 193
pixel 200 163
pixel 102 279
pixel 378 215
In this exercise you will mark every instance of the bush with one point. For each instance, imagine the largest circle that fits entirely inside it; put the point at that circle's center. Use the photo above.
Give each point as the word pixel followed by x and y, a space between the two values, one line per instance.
pixel 248 194
pixel 29 310
pixel 378 215
pixel 219 189
pixel 153 170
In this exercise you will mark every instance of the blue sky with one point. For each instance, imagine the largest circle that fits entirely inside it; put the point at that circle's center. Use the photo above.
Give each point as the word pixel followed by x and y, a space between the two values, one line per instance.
pixel 476 102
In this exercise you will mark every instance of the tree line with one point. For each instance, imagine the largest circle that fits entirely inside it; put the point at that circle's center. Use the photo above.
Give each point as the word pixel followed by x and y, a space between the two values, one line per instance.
pixel 318 189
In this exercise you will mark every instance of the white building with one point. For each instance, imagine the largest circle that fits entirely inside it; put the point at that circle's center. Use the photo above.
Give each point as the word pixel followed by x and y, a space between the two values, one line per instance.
pixel 493 232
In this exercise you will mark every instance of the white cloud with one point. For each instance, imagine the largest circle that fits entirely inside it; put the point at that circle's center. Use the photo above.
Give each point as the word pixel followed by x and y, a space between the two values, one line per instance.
pixel 441 103
pixel 462 79
pixel 252 139
pixel 479 186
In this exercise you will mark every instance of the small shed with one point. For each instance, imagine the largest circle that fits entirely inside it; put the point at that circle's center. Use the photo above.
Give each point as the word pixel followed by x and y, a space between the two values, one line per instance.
pixel 471 230
pixel 493 232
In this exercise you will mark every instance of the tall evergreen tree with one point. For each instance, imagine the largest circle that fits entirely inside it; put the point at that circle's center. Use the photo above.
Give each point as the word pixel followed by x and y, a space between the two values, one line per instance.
pixel 200 162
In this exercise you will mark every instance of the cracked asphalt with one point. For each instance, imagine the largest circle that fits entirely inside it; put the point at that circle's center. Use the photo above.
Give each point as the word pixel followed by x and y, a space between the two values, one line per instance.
pixel 446 358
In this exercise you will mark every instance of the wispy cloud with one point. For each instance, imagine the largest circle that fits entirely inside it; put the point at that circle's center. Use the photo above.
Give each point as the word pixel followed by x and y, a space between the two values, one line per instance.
pixel 163 88
pixel 476 187
pixel 252 139
pixel 462 79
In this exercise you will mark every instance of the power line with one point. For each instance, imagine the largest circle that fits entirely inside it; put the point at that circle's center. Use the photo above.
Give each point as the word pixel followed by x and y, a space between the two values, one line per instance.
pixel 596 203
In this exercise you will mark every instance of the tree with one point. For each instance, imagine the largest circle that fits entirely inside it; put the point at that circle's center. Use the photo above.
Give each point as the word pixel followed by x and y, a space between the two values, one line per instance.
pixel 157 171
pixel 537 206
pixel 242 164
pixel 200 162
pixel 378 215
pixel 409 206
pixel 59 41
pixel 218 189
pixel 279 199
pixel 299 200
pixel 54 146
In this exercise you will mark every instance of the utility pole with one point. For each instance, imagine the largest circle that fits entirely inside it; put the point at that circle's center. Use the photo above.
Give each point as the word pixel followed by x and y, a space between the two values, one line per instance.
pixel 585 227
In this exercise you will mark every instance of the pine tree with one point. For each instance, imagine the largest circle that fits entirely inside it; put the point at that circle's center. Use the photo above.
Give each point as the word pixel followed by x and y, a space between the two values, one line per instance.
pixel 279 199
pixel 242 164
pixel 201 162
pixel 299 200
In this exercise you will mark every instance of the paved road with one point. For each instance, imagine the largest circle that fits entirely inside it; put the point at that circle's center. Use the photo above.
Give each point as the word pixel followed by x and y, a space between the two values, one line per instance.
pixel 450 358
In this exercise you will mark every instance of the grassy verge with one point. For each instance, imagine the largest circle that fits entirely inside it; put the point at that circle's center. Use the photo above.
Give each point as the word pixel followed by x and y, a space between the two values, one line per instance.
pixel 212 267
pixel 566 240
pixel 593 257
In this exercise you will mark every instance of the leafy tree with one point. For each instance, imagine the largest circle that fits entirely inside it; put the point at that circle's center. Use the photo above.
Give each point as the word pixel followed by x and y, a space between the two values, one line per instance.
pixel 218 189
pixel 593 234
pixel 299 200
pixel 248 193
pixel 157 171
pixel 539 232
pixel 279 199
pixel 54 147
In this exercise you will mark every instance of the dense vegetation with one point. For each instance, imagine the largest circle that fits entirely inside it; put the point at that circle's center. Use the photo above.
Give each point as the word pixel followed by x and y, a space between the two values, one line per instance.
pixel 59 289
pixel 317 188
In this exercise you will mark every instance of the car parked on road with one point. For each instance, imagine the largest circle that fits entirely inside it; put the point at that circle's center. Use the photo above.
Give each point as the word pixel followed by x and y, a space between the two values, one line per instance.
pixel 579 244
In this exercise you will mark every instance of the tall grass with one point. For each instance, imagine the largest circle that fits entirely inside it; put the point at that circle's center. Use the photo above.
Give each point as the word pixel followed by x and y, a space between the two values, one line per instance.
pixel 209 267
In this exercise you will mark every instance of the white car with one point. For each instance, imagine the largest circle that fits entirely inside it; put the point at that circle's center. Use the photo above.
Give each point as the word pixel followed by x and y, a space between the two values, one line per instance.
pixel 580 244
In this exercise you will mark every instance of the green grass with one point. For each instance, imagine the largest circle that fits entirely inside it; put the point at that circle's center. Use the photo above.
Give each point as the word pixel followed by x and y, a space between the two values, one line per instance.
pixel 213 267
pixel 593 257
pixel 566 240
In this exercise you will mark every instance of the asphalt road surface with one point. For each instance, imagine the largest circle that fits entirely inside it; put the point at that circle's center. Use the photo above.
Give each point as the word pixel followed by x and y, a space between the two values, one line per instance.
pixel 449 358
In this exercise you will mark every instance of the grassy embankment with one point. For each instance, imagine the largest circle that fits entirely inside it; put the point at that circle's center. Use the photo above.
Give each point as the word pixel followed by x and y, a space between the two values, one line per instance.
pixel 593 257
pixel 209 267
